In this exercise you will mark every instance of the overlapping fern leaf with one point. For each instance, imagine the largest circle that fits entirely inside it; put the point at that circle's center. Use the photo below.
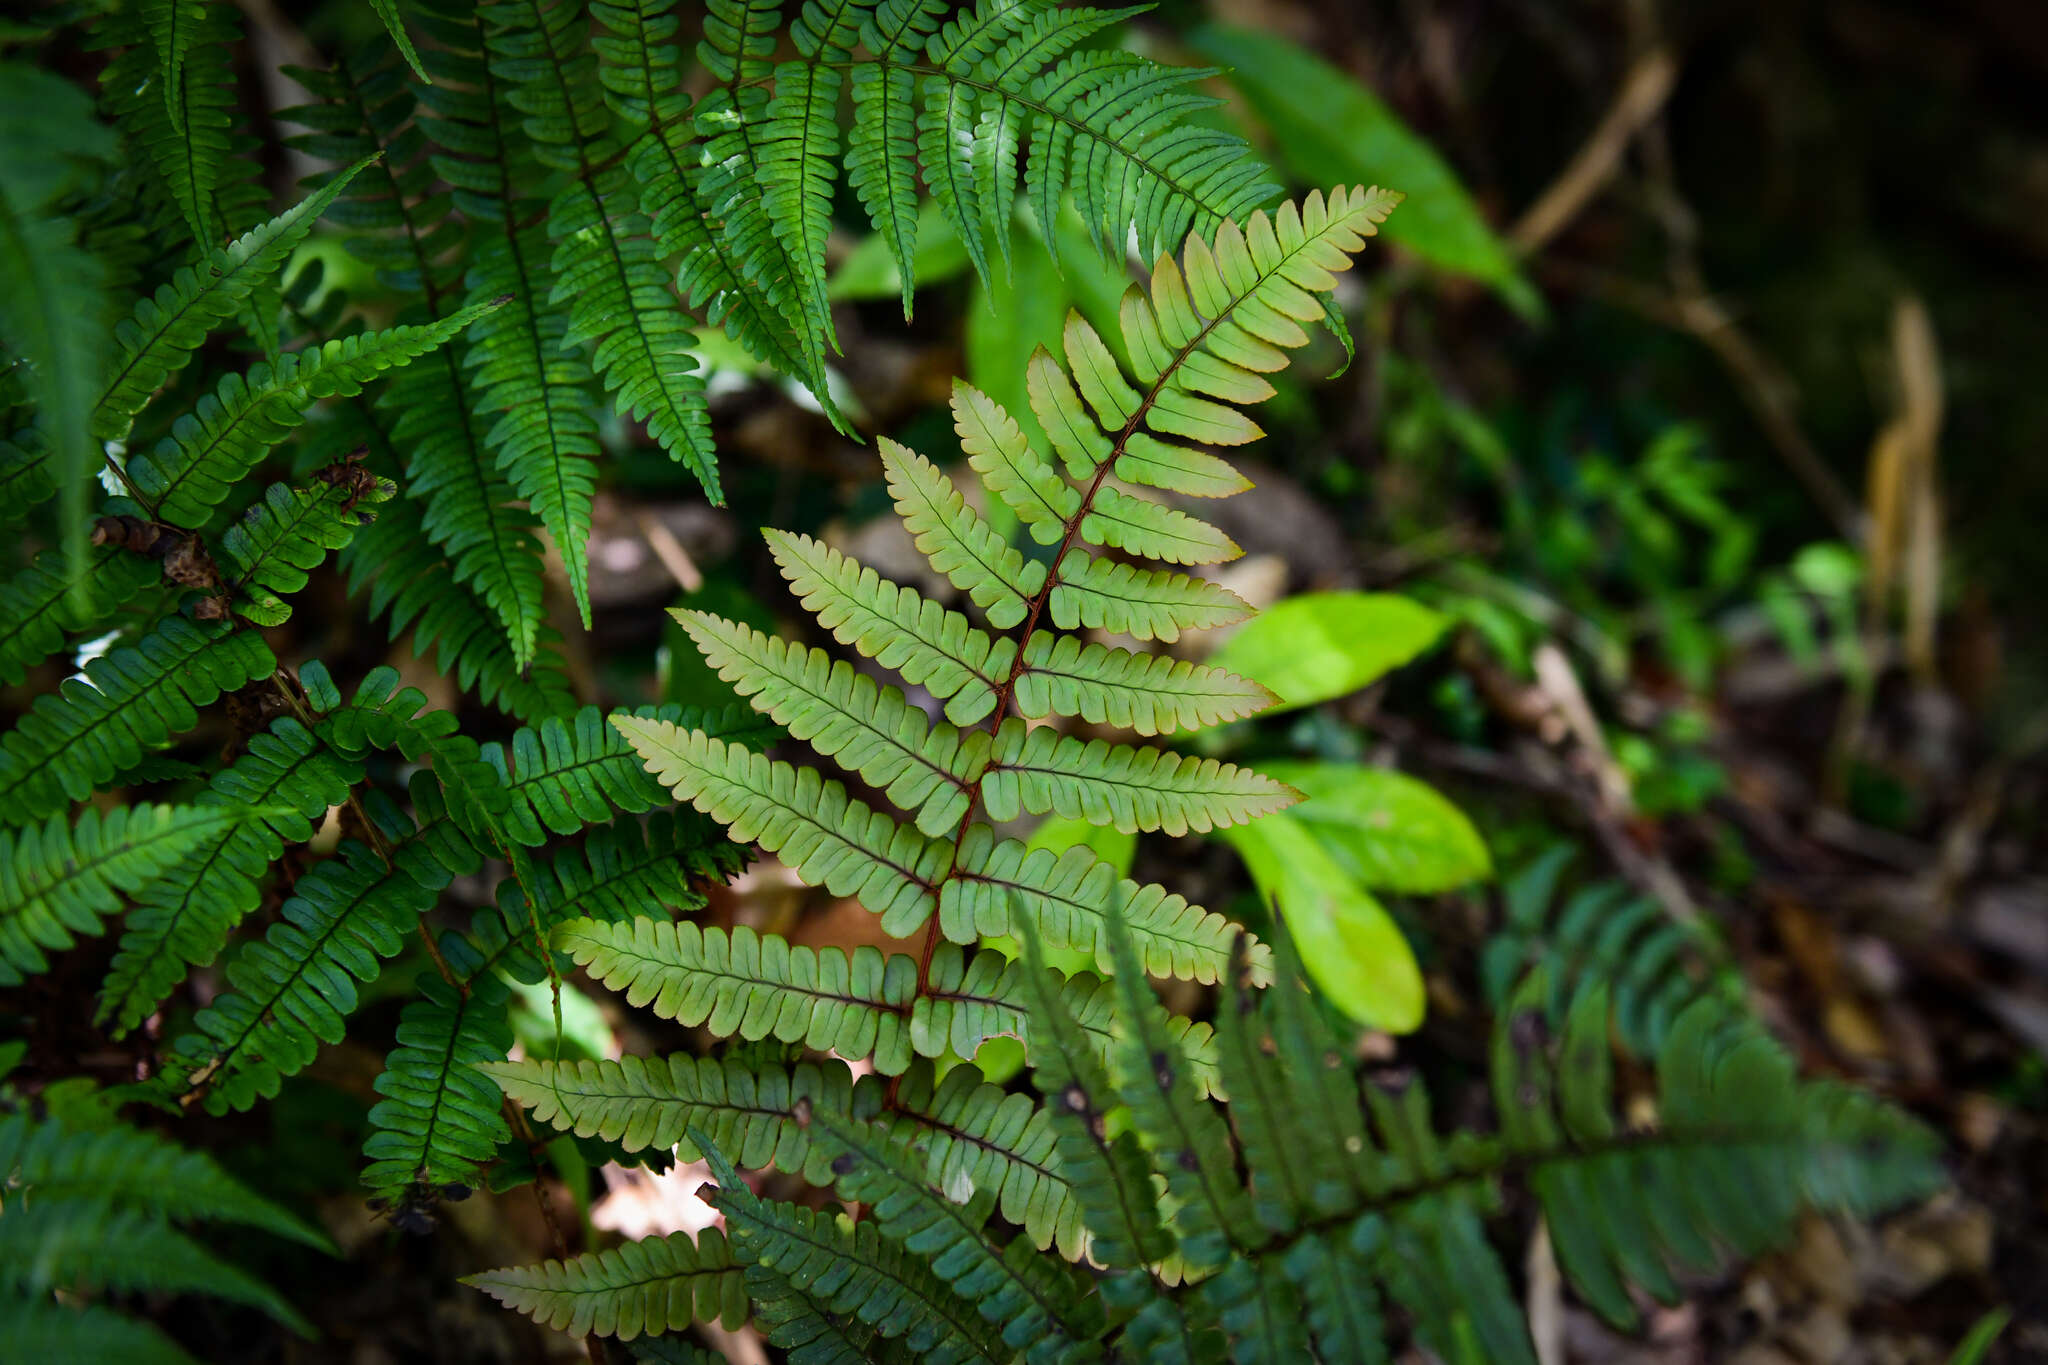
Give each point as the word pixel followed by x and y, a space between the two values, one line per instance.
pixel 1294 1215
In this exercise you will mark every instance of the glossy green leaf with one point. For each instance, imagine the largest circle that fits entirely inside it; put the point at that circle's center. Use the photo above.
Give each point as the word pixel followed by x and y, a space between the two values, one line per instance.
pixel 1349 944
pixel 1322 645
pixel 1388 830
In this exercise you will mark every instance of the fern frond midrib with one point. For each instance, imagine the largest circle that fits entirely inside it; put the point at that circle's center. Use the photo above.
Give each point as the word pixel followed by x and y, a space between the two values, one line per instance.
pixel 1006 691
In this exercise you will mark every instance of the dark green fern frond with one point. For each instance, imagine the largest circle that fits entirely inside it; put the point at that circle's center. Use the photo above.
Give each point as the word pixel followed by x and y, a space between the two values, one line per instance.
pixel 129 702
pixel 846 1270
pixel 283 783
pixel 406 228
pixel 411 580
pixel 616 296
pixel 268 551
pixel 290 991
pixel 96 1211
pixel 183 128
pixel 50 289
pixel 209 450
pixel 440 1121
pixel 50 600
pixel 27 476
pixel 166 328
pixel 1038 1303
pixel 57 881
pixel 1602 934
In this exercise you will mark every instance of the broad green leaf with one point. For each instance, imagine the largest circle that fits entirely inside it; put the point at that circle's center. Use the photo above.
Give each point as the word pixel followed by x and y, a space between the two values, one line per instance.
pixel 1328 129
pixel 1350 945
pixel 1321 645
pixel 1389 831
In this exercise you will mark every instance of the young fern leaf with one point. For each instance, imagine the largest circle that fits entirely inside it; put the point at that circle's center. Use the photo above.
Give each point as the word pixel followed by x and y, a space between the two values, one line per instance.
pixel 1206 331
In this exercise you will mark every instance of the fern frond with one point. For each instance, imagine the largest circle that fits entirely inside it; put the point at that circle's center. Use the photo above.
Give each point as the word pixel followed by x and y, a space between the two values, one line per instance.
pixel 1038 1302
pixel 124 1168
pixel 31 1330
pixel 847 1270
pixel 268 552
pixel 1187 1138
pixel 440 1121
pixel 1602 934
pixel 184 130
pixel 661 1284
pixel 27 476
pixel 129 702
pixel 1130 789
pixel 168 327
pixel 606 270
pixel 289 991
pixel 283 783
pixel 57 881
pixel 1111 1182
pixel 210 449
pixel 57 596
pixel 830 839
pixel 46 1246
pixel 871 730
pixel 621 869
pixel 50 289
pixel 394 24
pixel 409 578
